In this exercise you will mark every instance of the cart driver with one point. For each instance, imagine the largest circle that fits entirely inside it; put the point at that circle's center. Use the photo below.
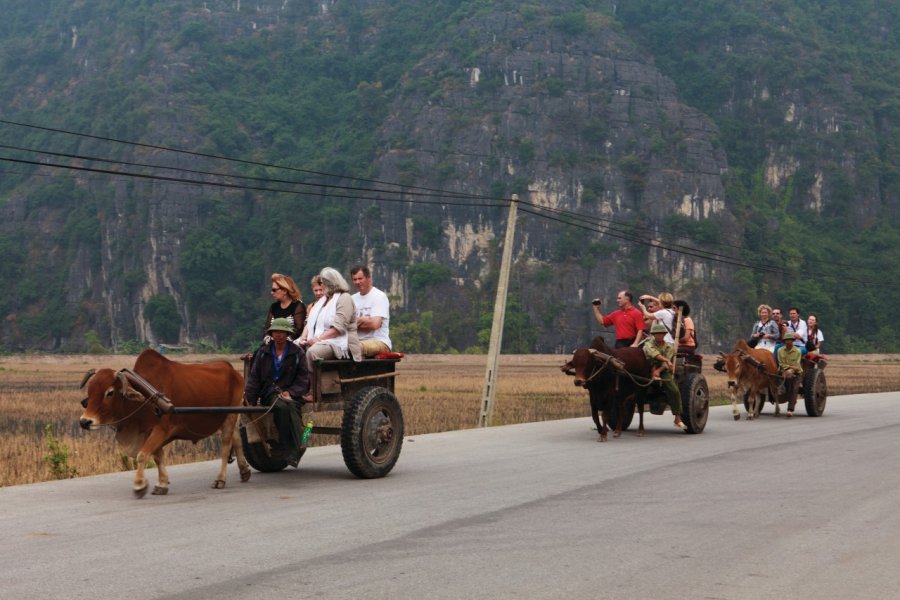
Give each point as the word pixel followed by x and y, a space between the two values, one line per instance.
pixel 791 369
pixel 661 357
pixel 278 378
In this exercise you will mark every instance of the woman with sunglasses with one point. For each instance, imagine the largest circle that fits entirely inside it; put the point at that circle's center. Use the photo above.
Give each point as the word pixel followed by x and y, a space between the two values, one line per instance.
pixel 287 305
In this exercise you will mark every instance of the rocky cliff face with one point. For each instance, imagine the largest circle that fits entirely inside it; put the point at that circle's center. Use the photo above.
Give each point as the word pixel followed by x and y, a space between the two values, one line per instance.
pixel 574 109
pixel 581 123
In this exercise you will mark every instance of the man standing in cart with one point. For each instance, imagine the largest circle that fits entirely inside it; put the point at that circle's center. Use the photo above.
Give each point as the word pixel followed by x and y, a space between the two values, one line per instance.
pixel 373 313
pixel 278 378
pixel 627 320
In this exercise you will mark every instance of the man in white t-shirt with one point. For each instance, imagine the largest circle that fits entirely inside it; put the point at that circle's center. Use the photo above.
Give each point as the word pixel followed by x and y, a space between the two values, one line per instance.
pixel 373 313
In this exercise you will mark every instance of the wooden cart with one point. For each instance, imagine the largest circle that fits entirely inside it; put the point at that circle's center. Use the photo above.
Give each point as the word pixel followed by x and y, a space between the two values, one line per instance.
pixel 694 396
pixel 371 432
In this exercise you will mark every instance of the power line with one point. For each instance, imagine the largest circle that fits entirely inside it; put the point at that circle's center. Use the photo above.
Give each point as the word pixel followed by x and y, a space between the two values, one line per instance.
pixel 218 174
pixel 226 158
pixel 662 246
pixel 235 186
pixel 626 232
pixel 405 189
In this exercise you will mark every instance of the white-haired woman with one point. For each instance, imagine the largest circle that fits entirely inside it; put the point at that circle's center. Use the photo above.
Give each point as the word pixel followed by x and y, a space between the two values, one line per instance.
pixel 332 329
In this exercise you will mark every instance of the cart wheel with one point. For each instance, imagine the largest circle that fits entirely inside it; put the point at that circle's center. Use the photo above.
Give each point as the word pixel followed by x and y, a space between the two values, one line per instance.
pixel 815 392
pixel 612 417
pixel 372 433
pixel 694 402
pixel 259 459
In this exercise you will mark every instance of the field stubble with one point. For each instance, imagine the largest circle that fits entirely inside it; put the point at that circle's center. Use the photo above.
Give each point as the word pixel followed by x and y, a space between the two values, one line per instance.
pixel 436 392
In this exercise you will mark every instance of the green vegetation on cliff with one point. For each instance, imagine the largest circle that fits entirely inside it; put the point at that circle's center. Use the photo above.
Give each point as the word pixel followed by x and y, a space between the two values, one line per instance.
pixel 805 95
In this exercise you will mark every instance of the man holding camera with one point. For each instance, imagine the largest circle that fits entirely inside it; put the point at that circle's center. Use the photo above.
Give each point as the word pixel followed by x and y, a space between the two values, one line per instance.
pixel 627 319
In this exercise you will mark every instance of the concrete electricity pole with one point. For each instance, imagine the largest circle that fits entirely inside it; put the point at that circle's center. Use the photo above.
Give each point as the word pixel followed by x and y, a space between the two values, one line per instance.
pixel 490 374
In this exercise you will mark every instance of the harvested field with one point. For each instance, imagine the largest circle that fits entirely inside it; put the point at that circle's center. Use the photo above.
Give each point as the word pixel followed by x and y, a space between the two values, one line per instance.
pixel 437 393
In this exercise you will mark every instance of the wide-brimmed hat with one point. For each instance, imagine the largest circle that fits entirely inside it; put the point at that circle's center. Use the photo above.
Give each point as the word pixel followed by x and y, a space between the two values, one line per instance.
pixel 789 335
pixel 685 309
pixel 281 324
pixel 658 327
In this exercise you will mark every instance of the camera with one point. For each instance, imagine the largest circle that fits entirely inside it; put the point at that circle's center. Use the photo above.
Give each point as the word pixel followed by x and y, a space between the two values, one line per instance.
pixel 596 301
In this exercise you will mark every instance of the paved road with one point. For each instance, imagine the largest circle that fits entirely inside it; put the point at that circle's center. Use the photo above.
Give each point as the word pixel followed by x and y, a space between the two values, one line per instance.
pixel 806 508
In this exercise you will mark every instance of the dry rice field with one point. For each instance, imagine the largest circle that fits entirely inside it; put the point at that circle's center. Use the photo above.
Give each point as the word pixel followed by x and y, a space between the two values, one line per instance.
pixel 436 392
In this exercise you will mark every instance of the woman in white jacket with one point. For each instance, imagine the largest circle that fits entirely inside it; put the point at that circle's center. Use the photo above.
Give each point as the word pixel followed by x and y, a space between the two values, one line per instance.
pixel 331 330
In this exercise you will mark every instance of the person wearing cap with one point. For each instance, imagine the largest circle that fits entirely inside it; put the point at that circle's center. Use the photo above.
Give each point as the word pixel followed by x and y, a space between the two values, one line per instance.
pixel 278 378
pixel 791 369
pixel 661 357
pixel 627 320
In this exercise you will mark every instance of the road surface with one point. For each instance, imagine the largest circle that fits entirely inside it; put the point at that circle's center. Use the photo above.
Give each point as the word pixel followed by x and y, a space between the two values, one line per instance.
pixel 806 508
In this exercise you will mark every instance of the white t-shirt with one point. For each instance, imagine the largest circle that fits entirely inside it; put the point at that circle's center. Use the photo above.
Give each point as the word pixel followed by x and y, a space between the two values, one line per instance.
pixel 800 328
pixel 374 304
pixel 667 318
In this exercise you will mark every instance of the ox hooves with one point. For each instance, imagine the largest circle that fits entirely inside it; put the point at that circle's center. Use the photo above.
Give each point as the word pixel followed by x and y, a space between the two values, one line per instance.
pixel 245 476
pixel 749 417
pixel 617 434
pixel 218 484
pixel 160 491
pixel 140 491
pixel 601 438
pixel 640 434
pixel 737 417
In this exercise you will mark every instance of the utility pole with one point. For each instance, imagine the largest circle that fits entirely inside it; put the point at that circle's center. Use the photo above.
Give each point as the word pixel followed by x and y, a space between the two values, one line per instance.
pixel 490 373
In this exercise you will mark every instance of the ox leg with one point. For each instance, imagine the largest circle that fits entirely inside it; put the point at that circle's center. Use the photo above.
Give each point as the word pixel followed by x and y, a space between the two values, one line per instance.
pixel 227 432
pixel 603 428
pixel 777 406
pixel 152 446
pixel 621 410
pixel 753 403
pixel 597 415
pixel 735 411
pixel 640 404
pixel 161 488
pixel 243 465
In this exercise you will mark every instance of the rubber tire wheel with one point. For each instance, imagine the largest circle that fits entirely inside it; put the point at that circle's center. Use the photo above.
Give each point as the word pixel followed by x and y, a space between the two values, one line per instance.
pixel 372 432
pixel 612 418
pixel 258 458
pixel 694 402
pixel 815 392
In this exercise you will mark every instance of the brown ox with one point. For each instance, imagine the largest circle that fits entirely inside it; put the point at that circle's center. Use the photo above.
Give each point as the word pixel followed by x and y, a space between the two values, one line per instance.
pixel 609 389
pixel 119 400
pixel 750 371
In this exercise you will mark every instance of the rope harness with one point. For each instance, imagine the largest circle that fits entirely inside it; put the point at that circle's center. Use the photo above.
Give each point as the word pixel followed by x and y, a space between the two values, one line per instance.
pixel 760 367
pixel 619 366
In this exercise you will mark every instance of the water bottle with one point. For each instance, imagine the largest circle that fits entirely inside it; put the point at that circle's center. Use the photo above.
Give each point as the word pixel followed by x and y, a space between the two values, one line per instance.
pixel 306 431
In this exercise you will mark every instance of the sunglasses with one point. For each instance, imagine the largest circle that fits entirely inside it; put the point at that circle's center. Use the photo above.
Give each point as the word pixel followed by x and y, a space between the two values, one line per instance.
pixel 276 290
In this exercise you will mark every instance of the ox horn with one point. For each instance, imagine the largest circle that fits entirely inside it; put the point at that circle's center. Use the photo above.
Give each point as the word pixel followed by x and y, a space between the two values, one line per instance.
pixel 596 353
pixel 87 376
pixel 123 381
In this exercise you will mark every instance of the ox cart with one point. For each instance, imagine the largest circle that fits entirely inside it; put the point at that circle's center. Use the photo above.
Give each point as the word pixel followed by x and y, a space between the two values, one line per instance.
pixel 371 431
pixel 694 396
pixel 813 388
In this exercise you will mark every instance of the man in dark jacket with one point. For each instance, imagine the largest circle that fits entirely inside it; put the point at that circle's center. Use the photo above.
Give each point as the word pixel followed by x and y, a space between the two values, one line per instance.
pixel 279 378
